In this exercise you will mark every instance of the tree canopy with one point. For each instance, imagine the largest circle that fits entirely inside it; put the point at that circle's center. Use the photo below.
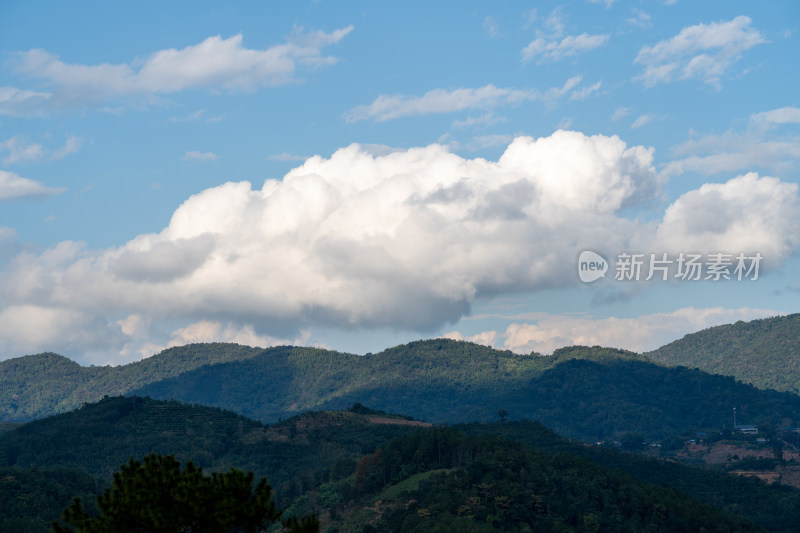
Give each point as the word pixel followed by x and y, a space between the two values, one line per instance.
pixel 159 495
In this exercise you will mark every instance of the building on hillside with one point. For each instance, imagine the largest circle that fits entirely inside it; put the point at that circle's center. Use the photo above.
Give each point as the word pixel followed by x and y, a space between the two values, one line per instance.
pixel 747 429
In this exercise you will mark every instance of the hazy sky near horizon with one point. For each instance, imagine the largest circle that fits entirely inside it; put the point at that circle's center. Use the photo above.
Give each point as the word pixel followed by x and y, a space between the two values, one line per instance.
pixel 359 175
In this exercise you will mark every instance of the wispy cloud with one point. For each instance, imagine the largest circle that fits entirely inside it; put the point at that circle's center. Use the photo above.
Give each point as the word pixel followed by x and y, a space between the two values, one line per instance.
pixel 608 3
pixel 642 119
pixel 640 19
pixel 13 187
pixel 583 94
pixel 482 121
pixel 198 115
pixel 491 26
pixel 555 50
pixel 620 112
pixel 390 107
pixel 703 51
pixel 215 63
pixel 286 156
pixel 19 150
pixel 776 117
pixel 200 156
pixel 760 145
pixel 642 333
pixel 17 102
pixel 71 145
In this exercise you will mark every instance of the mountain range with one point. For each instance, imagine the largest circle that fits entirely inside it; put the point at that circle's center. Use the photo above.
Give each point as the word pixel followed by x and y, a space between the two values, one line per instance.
pixel 765 353
pixel 366 470
pixel 477 453
pixel 590 393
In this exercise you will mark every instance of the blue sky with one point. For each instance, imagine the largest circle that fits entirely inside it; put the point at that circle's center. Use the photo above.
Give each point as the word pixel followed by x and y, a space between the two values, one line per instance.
pixel 358 175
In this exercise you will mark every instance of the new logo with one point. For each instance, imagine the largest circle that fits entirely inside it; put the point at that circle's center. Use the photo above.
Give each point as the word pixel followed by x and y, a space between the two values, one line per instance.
pixel 591 266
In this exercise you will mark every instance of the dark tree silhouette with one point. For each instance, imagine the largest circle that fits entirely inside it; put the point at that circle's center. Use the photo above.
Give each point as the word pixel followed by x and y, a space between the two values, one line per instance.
pixel 160 496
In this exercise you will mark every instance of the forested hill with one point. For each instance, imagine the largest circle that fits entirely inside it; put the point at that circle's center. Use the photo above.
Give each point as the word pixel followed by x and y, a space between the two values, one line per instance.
pixel 35 386
pixel 345 466
pixel 763 352
pixel 586 393
pixel 39 385
pixel 583 393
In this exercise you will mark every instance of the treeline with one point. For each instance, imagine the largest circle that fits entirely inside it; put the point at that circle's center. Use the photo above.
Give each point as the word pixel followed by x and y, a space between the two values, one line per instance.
pixel 761 352
pixel 590 393
pixel 365 468
pixel 443 480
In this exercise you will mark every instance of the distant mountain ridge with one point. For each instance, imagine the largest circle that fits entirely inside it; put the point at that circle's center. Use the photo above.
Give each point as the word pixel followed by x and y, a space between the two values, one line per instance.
pixel 765 352
pixel 329 459
pixel 35 386
pixel 581 392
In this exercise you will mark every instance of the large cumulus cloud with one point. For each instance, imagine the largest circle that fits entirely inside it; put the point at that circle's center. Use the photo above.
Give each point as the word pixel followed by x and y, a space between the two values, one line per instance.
pixel 374 237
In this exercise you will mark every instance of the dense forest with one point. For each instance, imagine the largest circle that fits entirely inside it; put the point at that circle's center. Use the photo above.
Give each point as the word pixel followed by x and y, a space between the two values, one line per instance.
pixel 765 353
pixel 443 480
pixel 590 393
pixel 383 472
pixel 472 459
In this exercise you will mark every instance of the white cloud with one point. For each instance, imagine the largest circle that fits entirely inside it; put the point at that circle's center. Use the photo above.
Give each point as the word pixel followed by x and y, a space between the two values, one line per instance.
pixel 286 156
pixel 733 151
pixel 584 93
pixel 13 186
pixel 211 331
pixel 642 119
pixel 491 26
pixel 487 338
pixel 30 328
pixel 640 19
pixel 703 51
pixel 640 334
pixel 483 121
pixel 745 214
pixel 390 107
pixel 736 152
pixel 197 115
pixel 19 151
pixel 775 117
pixel 71 145
pixel 372 237
pixel 20 102
pixel 9 245
pixel 214 63
pixel 607 3
pixel 620 112
pixel 199 156
pixel 554 93
pixel 555 50
pixel 485 141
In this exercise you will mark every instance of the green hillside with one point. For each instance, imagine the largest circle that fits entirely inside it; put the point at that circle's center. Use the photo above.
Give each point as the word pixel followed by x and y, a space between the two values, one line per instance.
pixel 588 393
pixel 601 394
pixel 774 507
pixel 765 353
pixel 30 499
pixel 40 385
pixel 432 378
pixel 99 437
pixel 346 465
pixel 444 480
